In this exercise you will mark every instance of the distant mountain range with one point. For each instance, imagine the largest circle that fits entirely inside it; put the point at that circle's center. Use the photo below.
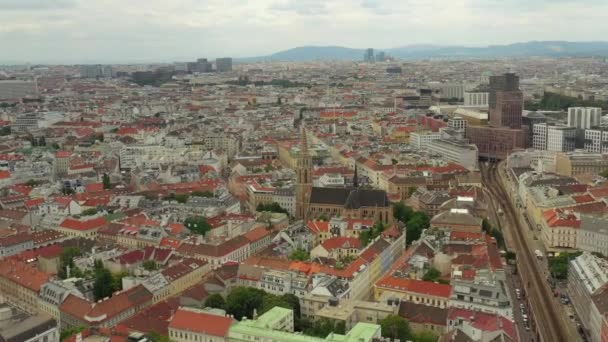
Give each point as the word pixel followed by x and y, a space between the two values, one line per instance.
pixel 529 49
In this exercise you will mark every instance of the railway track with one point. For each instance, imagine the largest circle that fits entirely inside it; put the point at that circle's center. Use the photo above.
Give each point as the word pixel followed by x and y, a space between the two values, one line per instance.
pixel 550 325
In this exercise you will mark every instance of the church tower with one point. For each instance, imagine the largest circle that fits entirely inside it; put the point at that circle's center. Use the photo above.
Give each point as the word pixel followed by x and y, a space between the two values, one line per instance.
pixel 304 173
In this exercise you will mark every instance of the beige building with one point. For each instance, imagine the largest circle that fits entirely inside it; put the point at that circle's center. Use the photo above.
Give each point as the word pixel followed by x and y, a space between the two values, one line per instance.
pixel 578 163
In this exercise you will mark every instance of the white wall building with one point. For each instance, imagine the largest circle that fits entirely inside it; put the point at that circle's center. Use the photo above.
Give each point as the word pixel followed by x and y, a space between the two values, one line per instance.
pixel 596 141
pixel 421 140
pixel 584 117
pixel 17 89
pixel 553 138
pixel 456 151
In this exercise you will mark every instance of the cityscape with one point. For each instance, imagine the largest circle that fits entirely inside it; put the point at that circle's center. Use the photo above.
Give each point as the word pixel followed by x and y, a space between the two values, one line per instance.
pixel 301 193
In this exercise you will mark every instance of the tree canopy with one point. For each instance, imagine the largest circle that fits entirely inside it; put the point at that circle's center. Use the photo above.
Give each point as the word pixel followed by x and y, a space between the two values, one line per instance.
pixel 415 221
pixel 273 207
pixel 197 225
pixel 215 301
pixel 66 259
pixel 396 327
pixel 299 255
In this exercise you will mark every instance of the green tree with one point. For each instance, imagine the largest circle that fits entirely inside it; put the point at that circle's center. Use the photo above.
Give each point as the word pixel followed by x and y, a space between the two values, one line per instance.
pixel 103 283
pixel 431 275
pixel 149 265
pixel 207 194
pixel 89 212
pixel 70 332
pixel 117 280
pixel 4 131
pixel 323 327
pixel 242 301
pixel 558 265
pixel 425 336
pixel 604 173
pixel 156 337
pixel 394 161
pixel 368 236
pixel 215 301
pixel 197 225
pixel 273 207
pixel 417 223
pixel 299 255
pixel 106 181
pixel 66 259
pixel 402 212
pixel 395 327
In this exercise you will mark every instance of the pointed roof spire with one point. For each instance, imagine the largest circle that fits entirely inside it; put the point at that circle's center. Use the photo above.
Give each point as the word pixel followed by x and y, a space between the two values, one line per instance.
pixel 303 140
pixel 356 178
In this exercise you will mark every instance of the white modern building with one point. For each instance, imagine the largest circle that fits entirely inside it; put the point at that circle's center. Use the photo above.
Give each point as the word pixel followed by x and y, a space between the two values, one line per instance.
pixel 596 140
pixel 455 151
pixel 421 140
pixel 553 138
pixel 478 97
pixel 584 117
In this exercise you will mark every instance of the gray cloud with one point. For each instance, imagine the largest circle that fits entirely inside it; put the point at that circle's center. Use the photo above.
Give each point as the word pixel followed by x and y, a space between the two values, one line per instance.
pixel 36 4
pixel 160 30
pixel 301 7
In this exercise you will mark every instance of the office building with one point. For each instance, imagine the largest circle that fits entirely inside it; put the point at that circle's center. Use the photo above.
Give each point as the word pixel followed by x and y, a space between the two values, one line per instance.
pixel 95 71
pixel 380 56
pixel 506 101
pixel 596 140
pixel 201 65
pixel 504 132
pixel 454 151
pixel 477 97
pixel 223 64
pixel 17 89
pixel 553 138
pixel 528 121
pixel 451 90
pixel 584 117
pixel 420 140
pixel 368 57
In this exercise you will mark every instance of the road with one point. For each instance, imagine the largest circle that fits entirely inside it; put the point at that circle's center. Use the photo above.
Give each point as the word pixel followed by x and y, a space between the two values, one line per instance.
pixel 546 315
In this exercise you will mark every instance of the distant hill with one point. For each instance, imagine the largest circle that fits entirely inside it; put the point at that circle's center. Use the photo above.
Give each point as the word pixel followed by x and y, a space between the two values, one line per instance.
pixel 529 49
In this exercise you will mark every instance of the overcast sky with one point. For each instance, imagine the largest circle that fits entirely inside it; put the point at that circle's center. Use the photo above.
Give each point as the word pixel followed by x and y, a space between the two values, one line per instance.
pixel 78 31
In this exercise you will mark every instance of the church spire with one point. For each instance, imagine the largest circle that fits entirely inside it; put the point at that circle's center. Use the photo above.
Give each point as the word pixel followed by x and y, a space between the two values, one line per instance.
pixel 304 175
pixel 356 178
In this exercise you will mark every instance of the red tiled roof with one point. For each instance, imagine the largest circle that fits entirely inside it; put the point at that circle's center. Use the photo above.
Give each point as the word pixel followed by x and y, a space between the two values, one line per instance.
pixel 484 321
pixel 106 309
pixel 201 323
pixel 416 286
pixel 34 202
pixel 94 187
pixel 561 218
pixel 256 234
pixel 341 242
pixel 75 224
pixel 22 274
pixel 5 174
pixel 583 198
pixel 15 239
pixel 318 226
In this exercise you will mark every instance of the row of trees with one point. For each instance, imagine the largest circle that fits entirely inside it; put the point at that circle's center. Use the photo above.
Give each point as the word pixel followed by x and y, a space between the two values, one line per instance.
pixel 487 227
pixel 243 301
pixel 415 221
pixel 369 235
pixel 104 282
pixel 553 101
pixel 183 198
pixel 273 207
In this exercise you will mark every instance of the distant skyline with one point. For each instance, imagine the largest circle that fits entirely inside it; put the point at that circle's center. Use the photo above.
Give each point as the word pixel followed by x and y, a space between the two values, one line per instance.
pixel 112 31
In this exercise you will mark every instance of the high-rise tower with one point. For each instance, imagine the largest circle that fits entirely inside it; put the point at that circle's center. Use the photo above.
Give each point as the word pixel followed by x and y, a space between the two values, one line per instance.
pixel 506 101
pixel 304 173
